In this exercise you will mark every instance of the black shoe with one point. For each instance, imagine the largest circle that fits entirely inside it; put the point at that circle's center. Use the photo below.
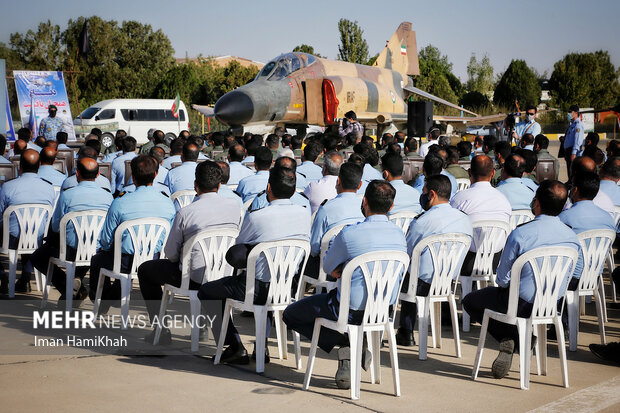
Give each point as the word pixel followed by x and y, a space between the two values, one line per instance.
pixel 4 284
pixel 267 359
pixel 608 352
pixel 23 285
pixel 502 363
pixel 343 374
pixel 405 338
pixel 165 338
pixel 235 355
pixel 80 296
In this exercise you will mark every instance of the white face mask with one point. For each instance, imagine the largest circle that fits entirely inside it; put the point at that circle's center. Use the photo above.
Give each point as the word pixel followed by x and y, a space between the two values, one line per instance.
pixel 530 118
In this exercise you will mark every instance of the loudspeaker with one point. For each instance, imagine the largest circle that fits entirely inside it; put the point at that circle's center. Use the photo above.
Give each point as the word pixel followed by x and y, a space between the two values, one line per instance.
pixel 419 118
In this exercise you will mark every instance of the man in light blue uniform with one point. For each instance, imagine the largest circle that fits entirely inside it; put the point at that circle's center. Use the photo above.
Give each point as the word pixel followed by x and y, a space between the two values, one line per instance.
pixel 224 190
pixel 145 202
pixel 252 185
pixel 158 154
pixel 27 189
pixel 609 174
pixel 439 218
pixel 236 153
pixel 118 145
pixel 516 192
pixel 118 164
pixel 434 165
pixel 527 125
pixel 310 170
pixel 371 158
pixel 375 233
pixel 46 170
pixel 51 125
pixel 574 137
pixel 182 177
pixel 546 230
pixel 102 181
pixel 87 195
pixel 61 139
pixel 407 198
pixel 293 222
pixel 261 200
pixel 176 149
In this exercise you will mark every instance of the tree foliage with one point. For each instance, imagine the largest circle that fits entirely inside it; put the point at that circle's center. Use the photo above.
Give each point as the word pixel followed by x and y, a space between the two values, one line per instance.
pixel 585 79
pixel 518 83
pixel 436 77
pixel 480 75
pixel 474 100
pixel 353 48
pixel 304 48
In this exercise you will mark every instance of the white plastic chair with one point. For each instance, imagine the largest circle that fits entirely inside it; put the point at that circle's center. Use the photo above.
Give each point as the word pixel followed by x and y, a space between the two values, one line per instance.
pixel 489 238
pixel 462 183
pixel 87 226
pixel 447 253
pixel 145 234
pixel 520 216
pixel 30 219
pixel 403 219
pixel 213 244
pixel 610 258
pixel 57 192
pixel 550 265
pixel 383 273
pixel 284 259
pixel 233 187
pixel 183 198
pixel 595 245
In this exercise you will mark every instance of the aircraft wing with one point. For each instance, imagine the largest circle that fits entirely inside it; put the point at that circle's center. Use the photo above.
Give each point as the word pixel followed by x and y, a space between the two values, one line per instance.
pixel 427 95
pixel 205 110
pixel 478 120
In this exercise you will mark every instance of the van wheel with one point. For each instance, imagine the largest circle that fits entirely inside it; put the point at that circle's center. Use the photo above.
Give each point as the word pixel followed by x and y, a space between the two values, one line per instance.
pixel 169 137
pixel 107 140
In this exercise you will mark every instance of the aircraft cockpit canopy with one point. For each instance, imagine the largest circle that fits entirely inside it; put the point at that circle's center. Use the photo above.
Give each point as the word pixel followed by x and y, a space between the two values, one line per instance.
pixel 283 65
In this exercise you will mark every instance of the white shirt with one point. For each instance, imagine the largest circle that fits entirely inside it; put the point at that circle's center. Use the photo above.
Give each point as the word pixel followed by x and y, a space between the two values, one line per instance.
pixel 321 190
pixel 482 202
pixel 424 147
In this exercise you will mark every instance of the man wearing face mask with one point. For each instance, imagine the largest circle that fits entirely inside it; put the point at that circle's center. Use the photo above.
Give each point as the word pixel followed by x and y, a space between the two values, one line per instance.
pixel 528 125
pixel 574 137
pixel 51 125
pixel 439 218
pixel 407 198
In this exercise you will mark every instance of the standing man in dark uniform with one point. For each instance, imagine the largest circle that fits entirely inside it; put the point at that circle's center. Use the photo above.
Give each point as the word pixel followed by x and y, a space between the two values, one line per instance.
pixel 574 138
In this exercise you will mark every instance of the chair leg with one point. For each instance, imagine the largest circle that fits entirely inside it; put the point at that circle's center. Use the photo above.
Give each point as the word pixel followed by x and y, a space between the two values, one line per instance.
pixel 194 304
pixel 312 354
pixel 394 358
pixel 481 340
pixel 601 290
pixel 559 328
pixel 356 337
pixel 12 272
pixel 572 306
pixel 537 348
pixel 424 316
pixel 69 287
pixel 280 335
pixel 162 312
pixel 455 325
pixel 260 322
pixel 436 322
pixel 542 345
pixel 600 312
pixel 466 286
pixel 524 328
pixel 220 341
pixel 48 283
pixel 125 293
pixel 375 349
pixel 432 323
pixel 610 266
pixel 38 279
pixel 297 346
pixel 98 294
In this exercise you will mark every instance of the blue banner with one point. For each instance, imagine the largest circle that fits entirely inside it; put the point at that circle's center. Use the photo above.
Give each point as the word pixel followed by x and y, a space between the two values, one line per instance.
pixel 41 89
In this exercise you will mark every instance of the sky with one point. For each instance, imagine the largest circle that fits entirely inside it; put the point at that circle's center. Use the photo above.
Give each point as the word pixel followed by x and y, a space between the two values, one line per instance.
pixel 540 32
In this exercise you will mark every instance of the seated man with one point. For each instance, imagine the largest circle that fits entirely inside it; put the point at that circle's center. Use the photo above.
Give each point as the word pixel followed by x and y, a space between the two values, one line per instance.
pixel 224 190
pixel 182 177
pixel 546 230
pixel 610 174
pixel 27 189
pixel 407 198
pixel 298 199
pixel 61 139
pixel 101 181
pixel 586 164
pixel 310 170
pixel 512 187
pixel 236 153
pixel 208 211
pixel 47 170
pixel 351 242
pixel 176 149
pixel 439 218
pixel 541 145
pixel 324 189
pixel 144 202
pixel 87 195
pixel 531 160
pixel 371 159
pixel 453 168
pixel 118 164
pixel 157 153
pixel 293 222
pixel 434 165
pixel 252 185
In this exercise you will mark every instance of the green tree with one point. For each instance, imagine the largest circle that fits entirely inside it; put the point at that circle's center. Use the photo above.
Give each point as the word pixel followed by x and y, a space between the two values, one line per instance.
pixel 436 77
pixel 40 50
pixel 474 100
pixel 480 75
pixel 304 48
pixel 584 79
pixel 518 83
pixel 353 48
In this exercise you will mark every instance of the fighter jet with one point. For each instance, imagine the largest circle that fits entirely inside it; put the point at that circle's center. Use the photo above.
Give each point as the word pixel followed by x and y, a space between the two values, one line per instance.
pixel 298 89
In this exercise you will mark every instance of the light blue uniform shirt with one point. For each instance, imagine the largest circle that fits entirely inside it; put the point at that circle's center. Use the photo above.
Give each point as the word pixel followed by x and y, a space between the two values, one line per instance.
pixel 51 174
pixel 524 127
pixel 226 192
pixel 368 174
pixel 167 163
pixel 182 177
pixel 85 196
pixel 159 187
pixel 419 183
pixel 375 233
pixel 300 181
pixel 585 216
pixel 118 170
pixel 517 193
pixel 530 184
pixel 27 189
pixel 543 231
pixel 261 201
pixel 71 182
pixel 440 219
pixel 3 160
pixel 238 172
pixel 310 170
pixel 344 209
pixel 111 156
pixel 248 159
pixel 145 202
pixel 575 137
pixel 280 220
pixel 62 146
pixel 252 185
pixel 407 198
pixel 611 190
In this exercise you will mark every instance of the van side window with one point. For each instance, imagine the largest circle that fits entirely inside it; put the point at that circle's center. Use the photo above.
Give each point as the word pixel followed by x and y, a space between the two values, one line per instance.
pixel 182 115
pixel 107 114
pixel 151 115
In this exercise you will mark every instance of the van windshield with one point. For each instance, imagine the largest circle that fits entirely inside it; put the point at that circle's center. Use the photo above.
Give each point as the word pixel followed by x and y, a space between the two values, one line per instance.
pixel 89 113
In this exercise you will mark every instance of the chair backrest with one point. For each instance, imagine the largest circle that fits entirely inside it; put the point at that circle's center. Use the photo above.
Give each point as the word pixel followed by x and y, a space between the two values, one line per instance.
pixel 247 204
pixel 183 198
pixel 7 172
pixel 462 183
pixel 68 157
pixel 550 266
pixel 325 241
pixel 213 245
pixel 447 254
pixel 465 165
pixel 284 259
pixel 127 171
pixel 60 165
pixel 545 169
pixel 411 168
pixel 617 216
pixel 15 161
pixel 87 226
pixel 383 273
pixel 30 218
pixel 595 246
pixel 145 234
pixel 489 237
pixel 403 219
pixel 105 169
pixel 520 216
pixel 56 195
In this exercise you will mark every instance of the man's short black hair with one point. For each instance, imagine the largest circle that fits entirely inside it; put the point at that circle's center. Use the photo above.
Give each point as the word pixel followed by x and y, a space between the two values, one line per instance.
pixel 593 138
pixel 225 171
pixel 95 144
pixel 158 137
pixel 272 141
pixel 464 148
pixel 350 115
pixel 218 139
pixel 503 149
pixel 434 133
pixel 595 153
pixel 394 148
pixel 176 147
pixel 120 133
pixel 87 151
pixel 208 176
pixel 197 140
pixel 85 173
pixel 440 184
pixel 350 176
pixel 527 139
pixel 530 159
pixel 611 169
pixel 312 151
pixel 551 195
pixel 263 158
pixel 286 162
pixel 393 164
pixel 296 142
pixel 411 144
pixel 23 134
pixel 143 169
pixel 531 107
pixel 379 196
pixel 282 182
pixel 489 143
pixel 62 137
pixel 587 183
pixel 369 153
pixel 541 141
pixel 251 147
pixel 433 165
pixel 453 155
pixel 190 152
pixel 236 152
pixel 96 131
pixel 330 142
pixel 158 153
pixel 357 159
pixel 129 144
pixel 514 166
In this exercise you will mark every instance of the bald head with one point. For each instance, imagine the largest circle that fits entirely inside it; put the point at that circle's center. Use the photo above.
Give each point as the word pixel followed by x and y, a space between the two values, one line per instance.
pixel 286 162
pixel 52 144
pixel 550 198
pixel 87 169
pixel 48 155
pixel 29 161
pixel 481 168
pixel 582 164
pixel 20 146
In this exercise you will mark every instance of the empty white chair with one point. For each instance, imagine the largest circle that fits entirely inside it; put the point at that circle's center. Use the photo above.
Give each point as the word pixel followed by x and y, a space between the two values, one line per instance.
pixel 489 238
pixel 520 216
pixel 284 259
pixel 550 265
pixel 145 234
pixel 87 226
pixel 447 252
pixel 183 198
pixel 595 245
pixel 383 273
pixel 403 219
pixel 213 244
pixel 462 183
pixel 30 218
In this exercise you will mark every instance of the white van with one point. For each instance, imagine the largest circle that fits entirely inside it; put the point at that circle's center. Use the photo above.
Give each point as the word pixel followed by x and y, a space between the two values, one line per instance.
pixel 135 116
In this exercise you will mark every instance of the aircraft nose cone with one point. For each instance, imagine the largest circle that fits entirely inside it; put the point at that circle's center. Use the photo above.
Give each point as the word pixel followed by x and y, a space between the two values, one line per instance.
pixel 234 108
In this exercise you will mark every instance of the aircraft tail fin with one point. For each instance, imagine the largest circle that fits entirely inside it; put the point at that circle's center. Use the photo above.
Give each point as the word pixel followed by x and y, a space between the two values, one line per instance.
pixel 401 52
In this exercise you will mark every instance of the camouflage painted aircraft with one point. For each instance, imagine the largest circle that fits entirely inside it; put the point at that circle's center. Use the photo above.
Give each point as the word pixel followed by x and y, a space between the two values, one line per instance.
pixel 298 89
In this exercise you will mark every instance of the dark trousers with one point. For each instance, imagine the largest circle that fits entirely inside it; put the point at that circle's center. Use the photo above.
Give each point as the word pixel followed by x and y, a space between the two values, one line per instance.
pixel 105 259
pixel 470 257
pixel 152 275
pixel 26 258
pixel 567 154
pixel 409 311
pixel 496 299
pixel 300 316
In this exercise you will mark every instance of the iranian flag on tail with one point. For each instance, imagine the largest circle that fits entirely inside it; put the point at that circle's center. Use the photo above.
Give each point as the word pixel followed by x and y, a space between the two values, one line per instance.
pixel 403 50
pixel 175 105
